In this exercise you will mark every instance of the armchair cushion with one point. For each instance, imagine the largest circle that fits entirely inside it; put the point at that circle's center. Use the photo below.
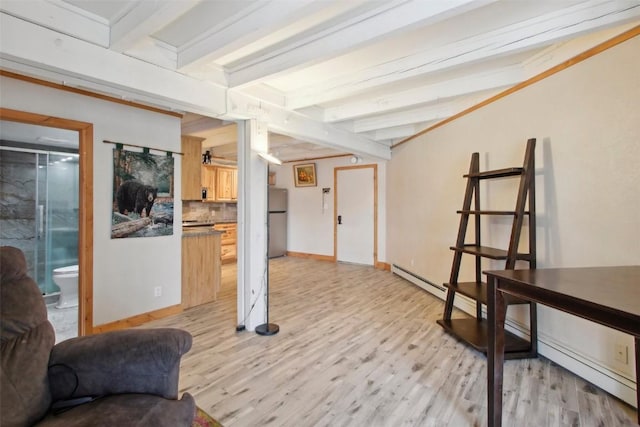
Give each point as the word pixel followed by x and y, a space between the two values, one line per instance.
pixel 26 338
pixel 127 361
pixel 133 373
pixel 131 410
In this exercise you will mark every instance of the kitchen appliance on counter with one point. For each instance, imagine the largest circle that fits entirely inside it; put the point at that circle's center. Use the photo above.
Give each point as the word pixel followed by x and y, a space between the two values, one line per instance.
pixel 277 201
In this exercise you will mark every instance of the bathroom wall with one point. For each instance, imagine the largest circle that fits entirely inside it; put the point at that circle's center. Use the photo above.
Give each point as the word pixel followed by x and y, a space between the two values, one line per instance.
pixel 126 271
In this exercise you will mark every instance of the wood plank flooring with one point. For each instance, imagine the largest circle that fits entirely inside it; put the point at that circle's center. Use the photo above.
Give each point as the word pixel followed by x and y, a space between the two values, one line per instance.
pixel 360 347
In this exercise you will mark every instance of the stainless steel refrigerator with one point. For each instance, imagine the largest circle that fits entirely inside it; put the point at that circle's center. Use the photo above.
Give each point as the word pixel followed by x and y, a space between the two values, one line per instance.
pixel 277 222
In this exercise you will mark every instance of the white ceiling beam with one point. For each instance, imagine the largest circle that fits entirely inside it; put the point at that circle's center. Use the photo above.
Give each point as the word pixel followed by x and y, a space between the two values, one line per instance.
pixel 49 51
pixel 406 117
pixel 204 125
pixel 145 18
pixel 252 23
pixel 62 17
pixel 154 52
pixel 389 19
pixel 430 114
pixel 498 78
pixel 397 131
pixel 540 31
pixel 561 52
pixel 296 125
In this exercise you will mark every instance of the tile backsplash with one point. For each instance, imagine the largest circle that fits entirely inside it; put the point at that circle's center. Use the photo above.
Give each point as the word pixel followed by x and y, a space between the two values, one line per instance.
pixel 209 211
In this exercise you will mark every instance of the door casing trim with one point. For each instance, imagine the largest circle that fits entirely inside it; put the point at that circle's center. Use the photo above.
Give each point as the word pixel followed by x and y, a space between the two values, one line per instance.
pixel 85 211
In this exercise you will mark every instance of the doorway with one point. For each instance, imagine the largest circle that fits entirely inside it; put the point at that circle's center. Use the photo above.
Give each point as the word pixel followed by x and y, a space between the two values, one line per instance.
pixel 85 202
pixel 356 214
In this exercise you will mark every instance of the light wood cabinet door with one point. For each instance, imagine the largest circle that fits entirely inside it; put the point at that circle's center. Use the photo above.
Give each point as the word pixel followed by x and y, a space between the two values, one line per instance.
pixel 228 241
pixel 209 181
pixel 200 269
pixel 234 185
pixel 226 185
pixel 191 167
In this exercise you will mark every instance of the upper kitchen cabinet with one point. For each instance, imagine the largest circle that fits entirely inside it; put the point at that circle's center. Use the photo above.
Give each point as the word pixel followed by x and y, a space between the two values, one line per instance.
pixel 226 183
pixel 191 168
pixel 209 182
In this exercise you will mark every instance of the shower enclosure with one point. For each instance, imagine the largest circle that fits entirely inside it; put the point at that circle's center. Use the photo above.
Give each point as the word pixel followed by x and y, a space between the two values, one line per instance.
pixel 39 209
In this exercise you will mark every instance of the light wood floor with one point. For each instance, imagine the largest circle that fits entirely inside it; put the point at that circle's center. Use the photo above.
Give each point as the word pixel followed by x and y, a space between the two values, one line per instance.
pixel 360 347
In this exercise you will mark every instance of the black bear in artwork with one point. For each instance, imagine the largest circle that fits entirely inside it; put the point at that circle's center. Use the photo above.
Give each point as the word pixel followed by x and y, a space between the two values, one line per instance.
pixel 133 196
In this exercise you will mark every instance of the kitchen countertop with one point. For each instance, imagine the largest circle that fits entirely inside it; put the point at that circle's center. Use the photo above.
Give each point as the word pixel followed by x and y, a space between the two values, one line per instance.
pixel 199 231
pixel 191 224
pixel 202 228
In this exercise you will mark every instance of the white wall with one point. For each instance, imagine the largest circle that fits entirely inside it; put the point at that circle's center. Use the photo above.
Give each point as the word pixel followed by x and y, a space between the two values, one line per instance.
pixel 310 228
pixel 587 123
pixel 125 270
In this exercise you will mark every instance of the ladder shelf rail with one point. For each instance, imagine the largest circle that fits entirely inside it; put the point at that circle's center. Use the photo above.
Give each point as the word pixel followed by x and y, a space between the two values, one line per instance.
pixel 474 331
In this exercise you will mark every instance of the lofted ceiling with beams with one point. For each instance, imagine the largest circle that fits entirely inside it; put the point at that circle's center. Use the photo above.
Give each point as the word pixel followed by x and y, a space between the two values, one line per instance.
pixel 328 76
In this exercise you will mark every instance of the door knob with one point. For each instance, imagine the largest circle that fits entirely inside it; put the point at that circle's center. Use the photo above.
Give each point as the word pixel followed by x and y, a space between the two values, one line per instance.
pixel 339 219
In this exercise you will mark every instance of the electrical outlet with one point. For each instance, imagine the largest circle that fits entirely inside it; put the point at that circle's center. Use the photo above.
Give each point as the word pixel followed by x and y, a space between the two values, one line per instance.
pixel 621 353
pixel 157 291
pixel 412 262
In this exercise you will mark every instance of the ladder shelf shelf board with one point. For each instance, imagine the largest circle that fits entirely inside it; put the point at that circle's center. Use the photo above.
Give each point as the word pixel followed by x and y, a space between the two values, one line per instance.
pixel 473 331
pixel 477 291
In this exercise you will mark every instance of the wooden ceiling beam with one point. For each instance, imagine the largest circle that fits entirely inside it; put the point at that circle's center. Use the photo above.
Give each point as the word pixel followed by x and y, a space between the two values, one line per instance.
pixel 488 79
pixel 84 65
pixel 296 125
pixel 144 19
pixel 533 33
pixel 383 20
pixel 255 21
pixel 61 16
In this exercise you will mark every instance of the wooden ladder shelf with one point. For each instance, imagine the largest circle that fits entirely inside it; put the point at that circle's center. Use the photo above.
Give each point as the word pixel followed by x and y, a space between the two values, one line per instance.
pixel 474 331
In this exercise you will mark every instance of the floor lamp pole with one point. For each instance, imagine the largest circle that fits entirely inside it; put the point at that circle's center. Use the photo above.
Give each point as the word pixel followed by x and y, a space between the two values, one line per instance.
pixel 267 328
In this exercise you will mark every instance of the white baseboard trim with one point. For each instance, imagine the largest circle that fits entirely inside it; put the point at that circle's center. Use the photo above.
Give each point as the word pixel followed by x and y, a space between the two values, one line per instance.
pixel 596 373
pixel 604 377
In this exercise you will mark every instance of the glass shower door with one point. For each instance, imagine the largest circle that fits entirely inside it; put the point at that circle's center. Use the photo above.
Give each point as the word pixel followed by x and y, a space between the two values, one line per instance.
pixel 39 210
pixel 23 192
pixel 61 214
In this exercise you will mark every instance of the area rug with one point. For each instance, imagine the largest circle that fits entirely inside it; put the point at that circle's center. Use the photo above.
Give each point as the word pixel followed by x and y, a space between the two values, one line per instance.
pixel 203 419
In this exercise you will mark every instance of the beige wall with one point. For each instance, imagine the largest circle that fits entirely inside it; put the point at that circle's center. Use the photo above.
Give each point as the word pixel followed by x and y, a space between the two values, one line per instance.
pixel 125 270
pixel 587 123
pixel 310 227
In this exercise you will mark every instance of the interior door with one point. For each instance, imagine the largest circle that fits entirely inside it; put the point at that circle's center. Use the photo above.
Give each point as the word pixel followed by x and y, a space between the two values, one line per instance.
pixel 355 215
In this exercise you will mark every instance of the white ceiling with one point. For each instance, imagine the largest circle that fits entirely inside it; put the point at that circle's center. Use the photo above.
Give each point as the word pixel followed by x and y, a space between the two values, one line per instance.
pixel 39 135
pixel 333 76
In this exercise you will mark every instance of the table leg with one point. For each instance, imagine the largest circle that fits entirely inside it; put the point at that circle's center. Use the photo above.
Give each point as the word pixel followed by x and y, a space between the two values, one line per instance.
pixel 496 312
pixel 638 377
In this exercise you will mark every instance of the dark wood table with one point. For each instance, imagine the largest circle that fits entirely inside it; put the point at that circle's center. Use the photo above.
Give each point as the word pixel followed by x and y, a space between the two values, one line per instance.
pixel 606 295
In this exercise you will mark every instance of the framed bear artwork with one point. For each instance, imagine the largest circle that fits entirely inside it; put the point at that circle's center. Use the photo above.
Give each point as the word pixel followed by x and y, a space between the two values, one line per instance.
pixel 142 194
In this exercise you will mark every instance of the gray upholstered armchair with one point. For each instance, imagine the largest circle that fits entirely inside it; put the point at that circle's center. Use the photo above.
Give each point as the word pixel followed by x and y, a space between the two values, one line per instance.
pixel 121 378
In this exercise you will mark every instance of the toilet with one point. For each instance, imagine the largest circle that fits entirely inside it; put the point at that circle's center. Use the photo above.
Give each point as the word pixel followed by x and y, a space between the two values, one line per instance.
pixel 67 280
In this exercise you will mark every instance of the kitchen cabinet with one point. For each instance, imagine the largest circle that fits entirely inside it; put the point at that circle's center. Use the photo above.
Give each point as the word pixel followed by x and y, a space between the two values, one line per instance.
pixel 221 183
pixel 201 260
pixel 226 183
pixel 209 181
pixel 228 241
pixel 191 167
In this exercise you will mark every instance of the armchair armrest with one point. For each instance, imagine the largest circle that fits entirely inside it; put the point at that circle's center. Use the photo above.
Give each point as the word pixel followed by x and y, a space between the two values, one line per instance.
pixel 129 361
